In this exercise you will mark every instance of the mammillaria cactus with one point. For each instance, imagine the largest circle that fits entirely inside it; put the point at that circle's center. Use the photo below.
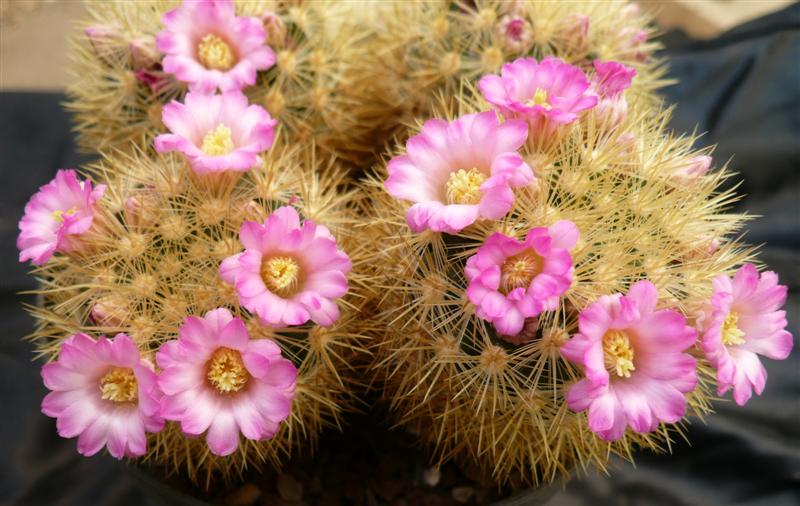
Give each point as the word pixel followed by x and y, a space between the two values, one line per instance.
pixel 232 298
pixel 423 51
pixel 555 270
pixel 133 58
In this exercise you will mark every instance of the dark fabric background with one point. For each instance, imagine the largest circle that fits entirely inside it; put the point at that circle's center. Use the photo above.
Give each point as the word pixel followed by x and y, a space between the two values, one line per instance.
pixel 743 89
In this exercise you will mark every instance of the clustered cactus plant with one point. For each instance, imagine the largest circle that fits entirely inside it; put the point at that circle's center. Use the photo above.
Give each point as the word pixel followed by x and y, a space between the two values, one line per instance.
pixel 559 262
pixel 417 53
pixel 152 257
pixel 538 277
pixel 121 82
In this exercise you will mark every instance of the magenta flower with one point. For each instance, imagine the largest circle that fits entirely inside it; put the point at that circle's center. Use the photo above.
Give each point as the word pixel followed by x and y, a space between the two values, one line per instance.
pixel 208 46
pixel 637 371
pixel 56 217
pixel 216 379
pixel 510 280
pixel 459 172
pixel 217 132
pixel 741 322
pixel 105 393
pixel 545 94
pixel 611 79
pixel 289 272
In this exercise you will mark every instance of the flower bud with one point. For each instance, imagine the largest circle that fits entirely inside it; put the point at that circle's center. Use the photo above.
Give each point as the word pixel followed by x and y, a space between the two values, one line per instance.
pixel 696 167
pixel 514 33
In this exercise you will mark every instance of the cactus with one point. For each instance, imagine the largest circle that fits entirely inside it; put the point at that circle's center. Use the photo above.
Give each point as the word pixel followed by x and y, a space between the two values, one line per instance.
pixel 153 257
pixel 415 53
pixel 120 87
pixel 497 402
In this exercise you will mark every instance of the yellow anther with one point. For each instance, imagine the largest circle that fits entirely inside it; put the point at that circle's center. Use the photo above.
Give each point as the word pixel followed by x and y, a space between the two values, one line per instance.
pixel 463 187
pixel 214 53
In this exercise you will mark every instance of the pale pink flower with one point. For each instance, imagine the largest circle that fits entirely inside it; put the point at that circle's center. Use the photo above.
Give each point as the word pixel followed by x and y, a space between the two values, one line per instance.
pixel 741 322
pixel 460 171
pixel 610 81
pixel 216 379
pixel 143 53
pixel 511 280
pixel 104 40
pixel 105 393
pixel 515 33
pixel 57 216
pixel 631 11
pixel 275 28
pixel 217 132
pixel 546 94
pixel 208 46
pixel 693 169
pixel 290 272
pixel 633 42
pixel 575 33
pixel 635 361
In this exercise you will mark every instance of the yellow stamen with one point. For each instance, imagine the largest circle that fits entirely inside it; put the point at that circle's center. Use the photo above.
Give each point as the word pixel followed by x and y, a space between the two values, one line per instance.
pixel 280 274
pixel 731 333
pixel 518 271
pixel 618 354
pixel 226 371
pixel 218 142
pixel 539 98
pixel 59 215
pixel 119 385
pixel 463 187
pixel 214 53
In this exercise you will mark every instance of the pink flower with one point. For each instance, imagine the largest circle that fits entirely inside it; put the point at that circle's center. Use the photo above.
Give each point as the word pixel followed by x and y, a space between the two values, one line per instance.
pixel 217 132
pixel 611 79
pixel 633 356
pixel 216 379
pixel 546 94
pixel 515 33
pixel 56 217
pixel 741 322
pixel 209 47
pixel 459 172
pixel 105 393
pixel 510 280
pixel 289 272
pixel 695 167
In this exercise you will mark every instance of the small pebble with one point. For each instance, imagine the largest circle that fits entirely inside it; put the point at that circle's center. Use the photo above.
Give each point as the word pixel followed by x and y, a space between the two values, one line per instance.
pixel 462 495
pixel 431 476
pixel 289 488
pixel 245 495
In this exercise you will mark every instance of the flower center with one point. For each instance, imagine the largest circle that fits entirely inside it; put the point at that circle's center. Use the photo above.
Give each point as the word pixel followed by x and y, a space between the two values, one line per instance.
pixel 214 53
pixel 463 187
pixel 218 142
pixel 226 371
pixel 58 214
pixel 731 333
pixel 518 271
pixel 539 98
pixel 618 354
pixel 119 385
pixel 280 274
